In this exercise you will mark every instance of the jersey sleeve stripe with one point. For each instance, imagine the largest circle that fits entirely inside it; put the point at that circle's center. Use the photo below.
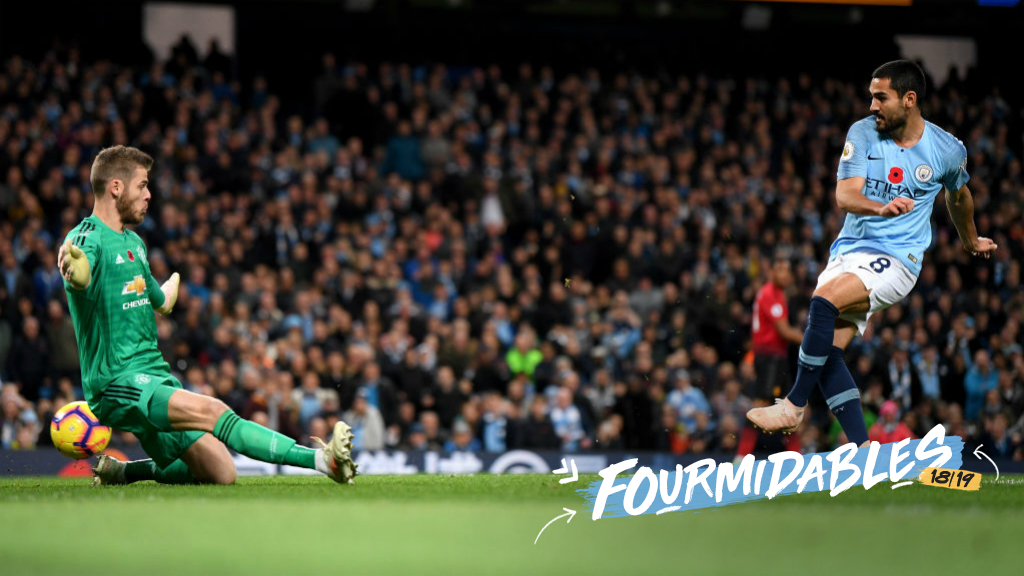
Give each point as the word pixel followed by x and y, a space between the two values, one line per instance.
pixel 83 232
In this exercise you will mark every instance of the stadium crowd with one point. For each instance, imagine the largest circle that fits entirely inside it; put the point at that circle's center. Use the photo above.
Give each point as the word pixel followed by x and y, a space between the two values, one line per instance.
pixel 486 259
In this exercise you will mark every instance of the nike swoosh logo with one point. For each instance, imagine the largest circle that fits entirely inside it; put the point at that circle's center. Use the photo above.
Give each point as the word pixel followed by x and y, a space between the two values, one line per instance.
pixel 870 157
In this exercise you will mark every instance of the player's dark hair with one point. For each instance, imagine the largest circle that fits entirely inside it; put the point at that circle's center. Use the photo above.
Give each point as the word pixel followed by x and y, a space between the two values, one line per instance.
pixel 116 162
pixel 904 76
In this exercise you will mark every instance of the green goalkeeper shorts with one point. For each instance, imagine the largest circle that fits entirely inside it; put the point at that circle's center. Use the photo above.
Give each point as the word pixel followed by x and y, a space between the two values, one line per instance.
pixel 137 403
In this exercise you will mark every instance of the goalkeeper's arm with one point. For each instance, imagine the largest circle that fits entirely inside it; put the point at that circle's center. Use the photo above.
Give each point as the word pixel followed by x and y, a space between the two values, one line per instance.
pixel 74 266
pixel 170 291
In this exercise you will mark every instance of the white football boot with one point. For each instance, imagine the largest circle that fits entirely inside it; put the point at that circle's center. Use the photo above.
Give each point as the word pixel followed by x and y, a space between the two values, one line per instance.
pixel 338 454
pixel 783 417
pixel 108 471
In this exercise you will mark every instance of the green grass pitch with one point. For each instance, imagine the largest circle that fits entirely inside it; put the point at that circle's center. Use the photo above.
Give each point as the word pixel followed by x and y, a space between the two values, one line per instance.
pixel 486 524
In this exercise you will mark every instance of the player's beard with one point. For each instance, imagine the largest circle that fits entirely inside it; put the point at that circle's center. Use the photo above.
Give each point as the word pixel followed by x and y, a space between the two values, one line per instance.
pixel 126 211
pixel 891 124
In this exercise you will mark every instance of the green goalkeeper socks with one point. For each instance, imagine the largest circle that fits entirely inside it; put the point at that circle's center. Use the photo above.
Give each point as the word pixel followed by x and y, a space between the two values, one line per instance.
pixel 260 443
pixel 175 473
pixel 301 456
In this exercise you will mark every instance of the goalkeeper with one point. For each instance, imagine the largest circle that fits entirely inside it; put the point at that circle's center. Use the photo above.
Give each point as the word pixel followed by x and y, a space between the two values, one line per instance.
pixel 128 385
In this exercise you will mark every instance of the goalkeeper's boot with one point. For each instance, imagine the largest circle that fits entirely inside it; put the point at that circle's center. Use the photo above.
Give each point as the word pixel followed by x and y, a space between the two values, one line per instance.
pixel 338 454
pixel 783 417
pixel 108 471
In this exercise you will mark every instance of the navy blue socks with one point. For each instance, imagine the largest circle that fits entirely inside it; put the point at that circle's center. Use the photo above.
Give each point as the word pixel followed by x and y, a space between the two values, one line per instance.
pixel 814 350
pixel 843 398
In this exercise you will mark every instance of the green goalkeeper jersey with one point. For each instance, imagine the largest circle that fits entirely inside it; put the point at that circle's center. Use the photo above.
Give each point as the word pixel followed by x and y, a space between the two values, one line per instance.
pixel 113 316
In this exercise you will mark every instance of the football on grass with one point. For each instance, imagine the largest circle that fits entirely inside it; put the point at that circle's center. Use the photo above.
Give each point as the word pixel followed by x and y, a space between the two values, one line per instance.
pixel 77 433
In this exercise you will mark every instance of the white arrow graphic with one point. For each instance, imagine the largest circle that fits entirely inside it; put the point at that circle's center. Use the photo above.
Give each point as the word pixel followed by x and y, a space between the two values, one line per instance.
pixel 570 513
pixel 979 454
pixel 565 470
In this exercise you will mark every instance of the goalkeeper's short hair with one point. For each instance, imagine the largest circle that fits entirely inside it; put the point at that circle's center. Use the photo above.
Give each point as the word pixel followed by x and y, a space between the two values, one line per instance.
pixel 116 162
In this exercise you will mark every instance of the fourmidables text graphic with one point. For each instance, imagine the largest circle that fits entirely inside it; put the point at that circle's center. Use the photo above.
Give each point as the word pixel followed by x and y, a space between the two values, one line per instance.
pixel 705 484
pixel 624 490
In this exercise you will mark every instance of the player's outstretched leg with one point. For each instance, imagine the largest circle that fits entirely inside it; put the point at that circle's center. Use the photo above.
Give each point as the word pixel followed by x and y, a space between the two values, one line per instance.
pixel 263 444
pixel 260 443
pixel 111 471
pixel 190 411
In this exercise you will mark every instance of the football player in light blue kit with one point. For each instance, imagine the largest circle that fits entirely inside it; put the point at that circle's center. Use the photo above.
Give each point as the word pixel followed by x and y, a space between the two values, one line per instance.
pixel 893 166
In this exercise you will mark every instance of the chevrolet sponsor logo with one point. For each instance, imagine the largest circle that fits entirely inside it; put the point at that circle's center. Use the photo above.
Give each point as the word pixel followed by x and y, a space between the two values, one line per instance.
pixel 137 285
pixel 135 304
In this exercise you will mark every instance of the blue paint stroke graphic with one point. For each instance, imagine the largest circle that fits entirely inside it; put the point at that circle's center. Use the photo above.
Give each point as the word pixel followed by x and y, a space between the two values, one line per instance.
pixel 663 498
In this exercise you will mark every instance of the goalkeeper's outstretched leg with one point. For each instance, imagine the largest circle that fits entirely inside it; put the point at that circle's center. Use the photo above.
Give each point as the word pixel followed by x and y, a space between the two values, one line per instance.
pixel 190 411
pixel 190 457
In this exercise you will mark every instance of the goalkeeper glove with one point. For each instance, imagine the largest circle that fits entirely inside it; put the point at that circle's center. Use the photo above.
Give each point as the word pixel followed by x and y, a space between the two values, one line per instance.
pixel 74 266
pixel 170 290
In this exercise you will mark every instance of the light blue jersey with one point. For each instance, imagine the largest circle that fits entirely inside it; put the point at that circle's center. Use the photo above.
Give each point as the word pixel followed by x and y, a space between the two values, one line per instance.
pixel 937 161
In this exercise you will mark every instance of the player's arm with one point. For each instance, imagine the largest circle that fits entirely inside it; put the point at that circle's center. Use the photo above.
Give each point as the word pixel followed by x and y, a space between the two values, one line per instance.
pixel 961 210
pixel 74 265
pixel 163 299
pixel 851 198
pixel 852 175
pixel 788 332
